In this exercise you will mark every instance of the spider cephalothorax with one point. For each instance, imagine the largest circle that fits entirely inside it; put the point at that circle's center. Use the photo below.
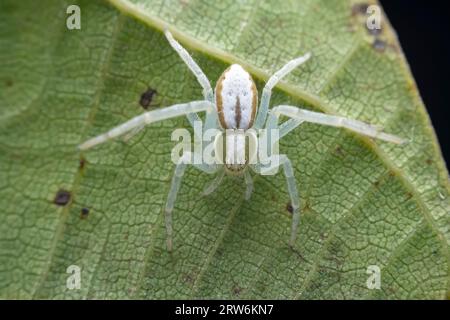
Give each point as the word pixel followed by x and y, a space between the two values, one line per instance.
pixel 233 111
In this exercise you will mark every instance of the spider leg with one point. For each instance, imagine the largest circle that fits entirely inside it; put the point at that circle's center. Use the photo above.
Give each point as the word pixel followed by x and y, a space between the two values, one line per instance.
pixel 192 65
pixel 248 184
pixel 212 186
pixel 147 118
pixel 288 126
pixel 132 133
pixel 274 79
pixel 330 120
pixel 201 78
pixel 175 186
pixel 292 190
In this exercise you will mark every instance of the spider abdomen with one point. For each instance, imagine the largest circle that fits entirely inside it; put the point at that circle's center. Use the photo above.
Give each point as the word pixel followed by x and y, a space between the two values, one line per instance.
pixel 236 98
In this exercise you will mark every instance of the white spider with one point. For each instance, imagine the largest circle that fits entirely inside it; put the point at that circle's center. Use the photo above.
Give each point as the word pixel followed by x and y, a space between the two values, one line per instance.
pixel 234 107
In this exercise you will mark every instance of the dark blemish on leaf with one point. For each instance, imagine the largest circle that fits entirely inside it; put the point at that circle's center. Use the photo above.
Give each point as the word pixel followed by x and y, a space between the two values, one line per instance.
pixel 289 208
pixel 62 197
pixel 82 163
pixel 9 83
pixel 84 213
pixel 339 151
pixel 429 161
pixel 236 290
pixel 379 45
pixel 409 195
pixel 376 183
pixel 188 278
pixel 359 8
pixel 147 97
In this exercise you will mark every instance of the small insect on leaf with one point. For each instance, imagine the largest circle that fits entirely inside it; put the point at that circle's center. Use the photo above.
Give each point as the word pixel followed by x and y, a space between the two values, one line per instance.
pixel 147 98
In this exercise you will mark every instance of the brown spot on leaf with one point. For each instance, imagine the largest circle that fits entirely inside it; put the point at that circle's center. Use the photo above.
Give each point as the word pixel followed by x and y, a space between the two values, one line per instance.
pixel 289 208
pixel 82 163
pixel 9 83
pixel 429 161
pixel 339 151
pixel 84 213
pixel 359 9
pixel 236 290
pixel 147 97
pixel 62 197
pixel 379 45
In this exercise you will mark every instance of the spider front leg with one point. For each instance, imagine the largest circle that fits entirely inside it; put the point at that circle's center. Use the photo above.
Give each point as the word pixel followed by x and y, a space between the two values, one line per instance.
pixel 214 184
pixel 147 118
pixel 299 115
pixel 267 91
pixel 208 93
pixel 248 184
pixel 288 171
pixel 175 186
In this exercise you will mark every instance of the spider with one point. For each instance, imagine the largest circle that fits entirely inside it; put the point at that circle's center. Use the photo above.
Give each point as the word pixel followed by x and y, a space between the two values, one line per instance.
pixel 233 106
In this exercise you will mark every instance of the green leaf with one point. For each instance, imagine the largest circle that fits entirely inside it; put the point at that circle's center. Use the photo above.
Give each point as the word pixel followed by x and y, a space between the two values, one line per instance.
pixel 364 202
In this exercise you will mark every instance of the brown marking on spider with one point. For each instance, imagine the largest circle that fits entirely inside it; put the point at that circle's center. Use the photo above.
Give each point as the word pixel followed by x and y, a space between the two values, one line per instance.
pixel 238 112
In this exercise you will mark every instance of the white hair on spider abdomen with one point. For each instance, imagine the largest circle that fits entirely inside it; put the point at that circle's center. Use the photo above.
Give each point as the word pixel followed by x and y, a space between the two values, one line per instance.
pixel 236 98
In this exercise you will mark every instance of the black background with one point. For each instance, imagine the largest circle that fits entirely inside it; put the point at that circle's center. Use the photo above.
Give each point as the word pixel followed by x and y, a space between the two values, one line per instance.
pixel 423 28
